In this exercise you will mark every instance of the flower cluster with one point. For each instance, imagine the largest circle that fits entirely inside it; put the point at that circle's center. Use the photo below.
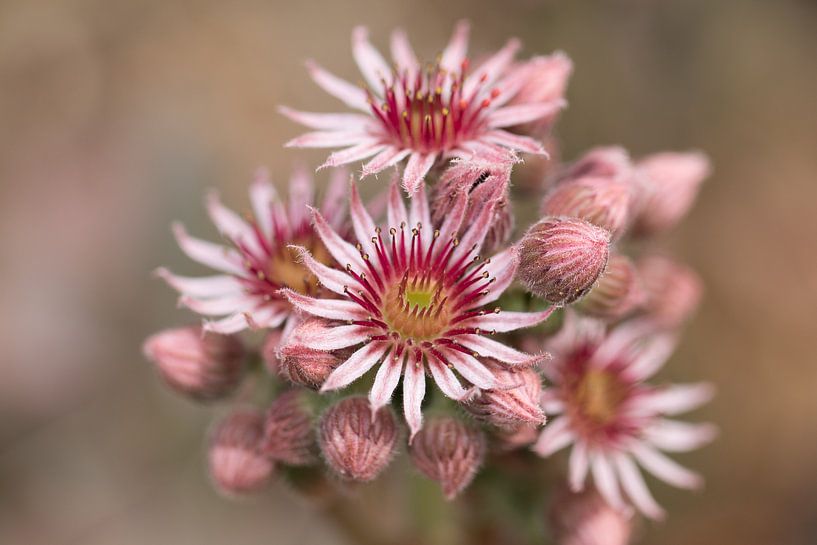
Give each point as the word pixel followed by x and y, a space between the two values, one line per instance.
pixel 489 344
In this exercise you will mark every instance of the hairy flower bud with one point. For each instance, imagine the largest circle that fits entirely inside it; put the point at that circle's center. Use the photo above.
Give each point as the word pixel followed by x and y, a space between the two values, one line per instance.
pixel 237 463
pixel 288 434
pixel 301 364
pixel 611 163
pixel 617 293
pixel 667 186
pixel 201 365
pixel 673 290
pixel 270 352
pixel 601 201
pixel 357 443
pixel 514 404
pixel 561 258
pixel 449 452
pixel 586 519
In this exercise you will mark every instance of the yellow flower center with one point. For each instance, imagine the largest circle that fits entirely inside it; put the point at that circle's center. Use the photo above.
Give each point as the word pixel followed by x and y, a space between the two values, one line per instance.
pixel 417 309
pixel 285 270
pixel 598 395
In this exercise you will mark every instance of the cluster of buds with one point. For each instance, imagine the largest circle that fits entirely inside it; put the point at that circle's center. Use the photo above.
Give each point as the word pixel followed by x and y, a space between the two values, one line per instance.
pixel 434 304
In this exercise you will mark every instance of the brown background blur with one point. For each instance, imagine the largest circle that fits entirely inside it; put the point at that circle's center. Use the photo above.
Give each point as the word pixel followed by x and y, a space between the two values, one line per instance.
pixel 114 116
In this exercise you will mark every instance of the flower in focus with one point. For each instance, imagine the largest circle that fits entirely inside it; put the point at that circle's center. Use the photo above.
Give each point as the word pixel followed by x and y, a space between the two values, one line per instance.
pixel 413 297
pixel 612 418
pixel 259 261
pixel 424 113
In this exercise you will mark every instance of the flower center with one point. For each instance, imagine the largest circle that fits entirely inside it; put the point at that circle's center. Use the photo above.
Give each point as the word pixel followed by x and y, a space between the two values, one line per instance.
pixel 417 308
pixel 598 395
pixel 284 270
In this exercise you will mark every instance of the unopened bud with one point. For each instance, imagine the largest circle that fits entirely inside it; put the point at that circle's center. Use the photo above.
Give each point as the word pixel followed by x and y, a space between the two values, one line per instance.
pixel 521 436
pixel 201 365
pixel 561 258
pixel 515 402
pixel 269 352
pixel 545 81
pixel 601 201
pixel 612 163
pixel 667 186
pixel 301 364
pixel 449 452
pixel 673 290
pixel 617 293
pixel 357 443
pixel 237 463
pixel 288 434
pixel 584 518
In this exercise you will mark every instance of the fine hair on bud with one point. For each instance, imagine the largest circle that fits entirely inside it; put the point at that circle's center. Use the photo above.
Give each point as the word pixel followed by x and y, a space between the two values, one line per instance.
pixel 562 257
pixel 515 402
pixel 289 437
pixel 584 518
pixel 673 290
pixel 201 365
pixel 617 293
pixel 604 202
pixel 450 452
pixel 357 442
pixel 236 461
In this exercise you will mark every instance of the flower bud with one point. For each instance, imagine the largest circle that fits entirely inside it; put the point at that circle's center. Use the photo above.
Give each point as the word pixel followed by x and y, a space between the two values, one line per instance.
pixel 357 443
pixel 612 163
pixel 584 518
pixel 601 201
pixel 288 434
pixel 201 365
pixel 617 293
pixel 302 365
pixel 517 402
pixel 237 464
pixel 269 352
pixel 449 452
pixel 561 258
pixel 545 81
pixel 667 186
pixel 673 291
pixel 510 439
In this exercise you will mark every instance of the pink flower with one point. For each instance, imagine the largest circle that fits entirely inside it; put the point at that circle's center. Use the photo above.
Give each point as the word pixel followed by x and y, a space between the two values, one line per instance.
pixel 612 418
pixel 423 114
pixel 413 298
pixel 259 261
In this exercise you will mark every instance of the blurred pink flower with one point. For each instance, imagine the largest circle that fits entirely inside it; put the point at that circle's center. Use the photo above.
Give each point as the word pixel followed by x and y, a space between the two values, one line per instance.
pixel 422 114
pixel 612 418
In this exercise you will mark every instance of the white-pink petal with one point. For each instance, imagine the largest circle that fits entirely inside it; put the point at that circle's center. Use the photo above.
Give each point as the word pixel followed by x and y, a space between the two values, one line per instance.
pixel 502 267
pixel 508 321
pixel 363 149
pixel 605 479
pixel 330 139
pixel 554 437
pixel 388 375
pixel 472 370
pixel 301 195
pixel 390 156
pixel 229 325
pixel 343 252
pixel 664 468
pixel 486 73
pixel 515 142
pixel 523 113
pixel 489 348
pixel 262 195
pixel 333 309
pixel 218 306
pixel 454 53
pixel 324 121
pixel 414 390
pixel 578 465
pixel 204 286
pixel 356 366
pixel 416 169
pixel 419 213
pixel 333 338
pixel 371 63
pixel 332 279
pixel 396 210
pixel 349 94
pixel 677 398
pixel 212 255
pixel 633 484
pixel 675 436
pixel 403 54
pixel 446 380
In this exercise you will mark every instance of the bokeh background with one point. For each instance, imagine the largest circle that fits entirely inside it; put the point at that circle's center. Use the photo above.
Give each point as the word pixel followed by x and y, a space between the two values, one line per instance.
pixel 115 115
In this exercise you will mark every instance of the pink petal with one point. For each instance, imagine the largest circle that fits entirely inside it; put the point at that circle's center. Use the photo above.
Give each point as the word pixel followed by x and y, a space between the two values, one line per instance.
pixel 403 54
pixel 515 142
pixel 414 390
pixel 577 467
pixel 454 53
pixel 678 398
pixel 447 381
pixel 664 468
pixel 366 148
pixel 472 369
pixel 352 96
pixel 268 316
pixel 486 73
pixel 372 65
pixel 523 113
pixel 301 195
pixel 332 279
pixel 388 375
pixel 416 169
pixel 212 255
pixel 218 306
pixel 473 238
pixel 489 348
pixel 674 436
pixel 229 325
pixel 453 220
pixel 205 286
pixel 330 139
pixel 262 195
pixel 555 436
pixel 383 160
pixel 502 267
pixel 652 357
pixel 333 309
pixel 333 338
pixel 229 223
pixel 508 321
pixel 396 212
pixel 605 479
pixel 361 220
pixel 419 213
pixel 333 206
pixel 343 252
pixel 633 484
pixel 323 121
pixel 355 367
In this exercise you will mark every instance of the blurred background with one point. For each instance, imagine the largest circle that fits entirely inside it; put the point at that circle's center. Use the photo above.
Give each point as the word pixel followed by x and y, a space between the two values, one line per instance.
pixel 116 115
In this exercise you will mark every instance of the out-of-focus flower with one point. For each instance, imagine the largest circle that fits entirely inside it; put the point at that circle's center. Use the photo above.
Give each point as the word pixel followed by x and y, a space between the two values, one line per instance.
pixel 618 292
pixel 673 290
pixel 201 365
pixel 608 162
pixel 260 261
pixel 421 114
pixel 357 440
pixel 508 439
pixel 546 80
pixel 561 258
pixel 270 351
pixel 517 402
pixel 612 418
pixel 584 518
pixel 237 463
pixel 667 186
pixel 414 301
pixel 601 201
pixel 288 434
pixel 450 452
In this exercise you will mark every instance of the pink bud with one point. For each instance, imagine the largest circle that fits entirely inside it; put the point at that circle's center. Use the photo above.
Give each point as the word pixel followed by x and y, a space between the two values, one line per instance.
pixel 561 258
pixel 357 443
pixel 521 436
pixel 269 351
pixel 288 433
pixel 586 519
pixel 237 465
pixel 201 365
pixel 612 163
pixel 449 452
pixel 545 81
pixel 668 185
pixel 673 291
pixel 517 402
pixel 601 201
pixel 617 293
pixel 302 365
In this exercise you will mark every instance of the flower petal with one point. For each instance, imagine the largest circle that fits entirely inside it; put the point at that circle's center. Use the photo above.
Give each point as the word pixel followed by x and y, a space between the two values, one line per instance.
pixel 355 367
pixel 390 156
pixel 633 484
pixel 414 390
pixel 212 255
pixel 472 370
pixel 372 65
pixel 403 54
pixel 333 338
pixel 518 114
pixel 677 399
pixel 388 375
pixel 489 348
pixel 674 436
pixel 344 253
pixel 446 380
pixel 416 169
pixel 218 306
pixel 349 94
pixel 454 53
pixel 204 286
pixel 605 479
pixel 664 468
pixel 329 139
pixel 419 213
pixel 554 437
pixel 515 142
pixel 487 72
pixel 324 121
pixel 508 321
pixel 578 465
pixel 396 211
pixel 363 149
pixel 301 195
pixel 331 279
pixel 333 309
pixel 262 195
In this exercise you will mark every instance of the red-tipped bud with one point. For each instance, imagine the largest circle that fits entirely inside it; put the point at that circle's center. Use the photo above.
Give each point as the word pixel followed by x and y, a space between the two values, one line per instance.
pixel 449 452
pixel 288 434
pixel 601 201
pixel 673 290
pixel 561 258
pixel 667 186
pixel 515 403
pixel 357 443
pixel 237 463
pixel 201 365
pixel 586 519
pixel 612 163
pixel 270 352
pixel 301 364
pixel 617 293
